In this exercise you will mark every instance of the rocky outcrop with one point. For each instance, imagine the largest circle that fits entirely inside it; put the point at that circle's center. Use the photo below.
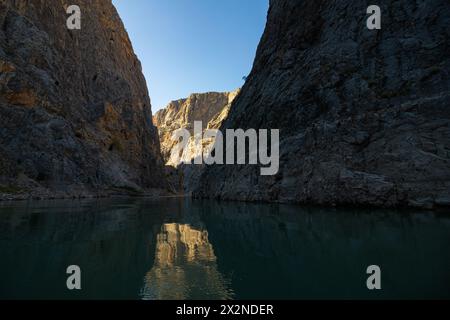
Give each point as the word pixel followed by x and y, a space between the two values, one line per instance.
pixel 211 109
pixel 364 115
pixel 75 116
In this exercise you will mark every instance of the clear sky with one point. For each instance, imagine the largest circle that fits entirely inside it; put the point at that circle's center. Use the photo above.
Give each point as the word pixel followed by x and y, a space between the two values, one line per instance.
pixel 193 46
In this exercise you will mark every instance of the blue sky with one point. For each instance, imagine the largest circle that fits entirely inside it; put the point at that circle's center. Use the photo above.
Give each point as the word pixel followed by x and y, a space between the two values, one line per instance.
pixel 192 46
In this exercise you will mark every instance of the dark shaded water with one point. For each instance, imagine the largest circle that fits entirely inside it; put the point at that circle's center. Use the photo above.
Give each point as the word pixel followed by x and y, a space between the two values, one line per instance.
pixel 182 249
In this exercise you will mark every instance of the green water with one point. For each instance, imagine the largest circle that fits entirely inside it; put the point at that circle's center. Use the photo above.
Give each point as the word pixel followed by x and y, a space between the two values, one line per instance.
pixel 182 249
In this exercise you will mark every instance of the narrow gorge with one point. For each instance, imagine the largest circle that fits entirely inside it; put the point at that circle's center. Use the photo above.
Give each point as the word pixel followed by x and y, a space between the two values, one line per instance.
pixel 363 114
pixel 313 161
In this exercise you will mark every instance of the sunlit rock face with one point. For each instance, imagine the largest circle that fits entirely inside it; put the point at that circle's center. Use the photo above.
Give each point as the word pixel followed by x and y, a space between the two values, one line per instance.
pixel 211 109
pixel 75 115
pixel 185 265
pixel 364 115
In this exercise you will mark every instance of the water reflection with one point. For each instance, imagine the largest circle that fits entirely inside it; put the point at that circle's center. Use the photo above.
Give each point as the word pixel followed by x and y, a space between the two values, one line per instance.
pixel 185 266
pixel 181 249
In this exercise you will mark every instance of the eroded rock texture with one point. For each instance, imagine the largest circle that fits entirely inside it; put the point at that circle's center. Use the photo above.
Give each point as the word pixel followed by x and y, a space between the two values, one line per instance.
pixel 364 114
pixel 208 108
pixel 75 116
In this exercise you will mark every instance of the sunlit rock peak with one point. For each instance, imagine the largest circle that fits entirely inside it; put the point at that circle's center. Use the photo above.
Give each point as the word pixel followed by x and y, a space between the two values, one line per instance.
pixel 210 108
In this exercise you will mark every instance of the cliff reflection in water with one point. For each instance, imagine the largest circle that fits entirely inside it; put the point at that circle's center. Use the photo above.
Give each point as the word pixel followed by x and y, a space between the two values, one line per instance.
pixel 183 249
pixel 185 266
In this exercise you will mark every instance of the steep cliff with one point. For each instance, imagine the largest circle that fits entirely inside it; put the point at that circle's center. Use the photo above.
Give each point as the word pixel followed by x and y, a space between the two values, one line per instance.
pixel 364 115
pixel 75 116
pixel 211 109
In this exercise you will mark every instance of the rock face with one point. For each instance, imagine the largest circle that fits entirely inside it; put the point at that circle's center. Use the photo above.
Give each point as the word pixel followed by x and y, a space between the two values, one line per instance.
pixel 364 115
pixel 75 116
pixel 211 109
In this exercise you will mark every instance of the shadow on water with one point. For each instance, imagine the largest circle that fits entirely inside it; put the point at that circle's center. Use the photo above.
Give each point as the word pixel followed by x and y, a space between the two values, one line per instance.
pixel 183 249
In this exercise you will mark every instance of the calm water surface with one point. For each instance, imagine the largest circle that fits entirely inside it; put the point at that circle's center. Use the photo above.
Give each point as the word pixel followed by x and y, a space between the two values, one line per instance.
pixel 183 249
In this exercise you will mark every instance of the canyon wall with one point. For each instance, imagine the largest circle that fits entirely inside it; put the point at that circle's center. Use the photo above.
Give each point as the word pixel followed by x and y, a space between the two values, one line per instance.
pixel 75 115
pixel 211 109
pixel 364 115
